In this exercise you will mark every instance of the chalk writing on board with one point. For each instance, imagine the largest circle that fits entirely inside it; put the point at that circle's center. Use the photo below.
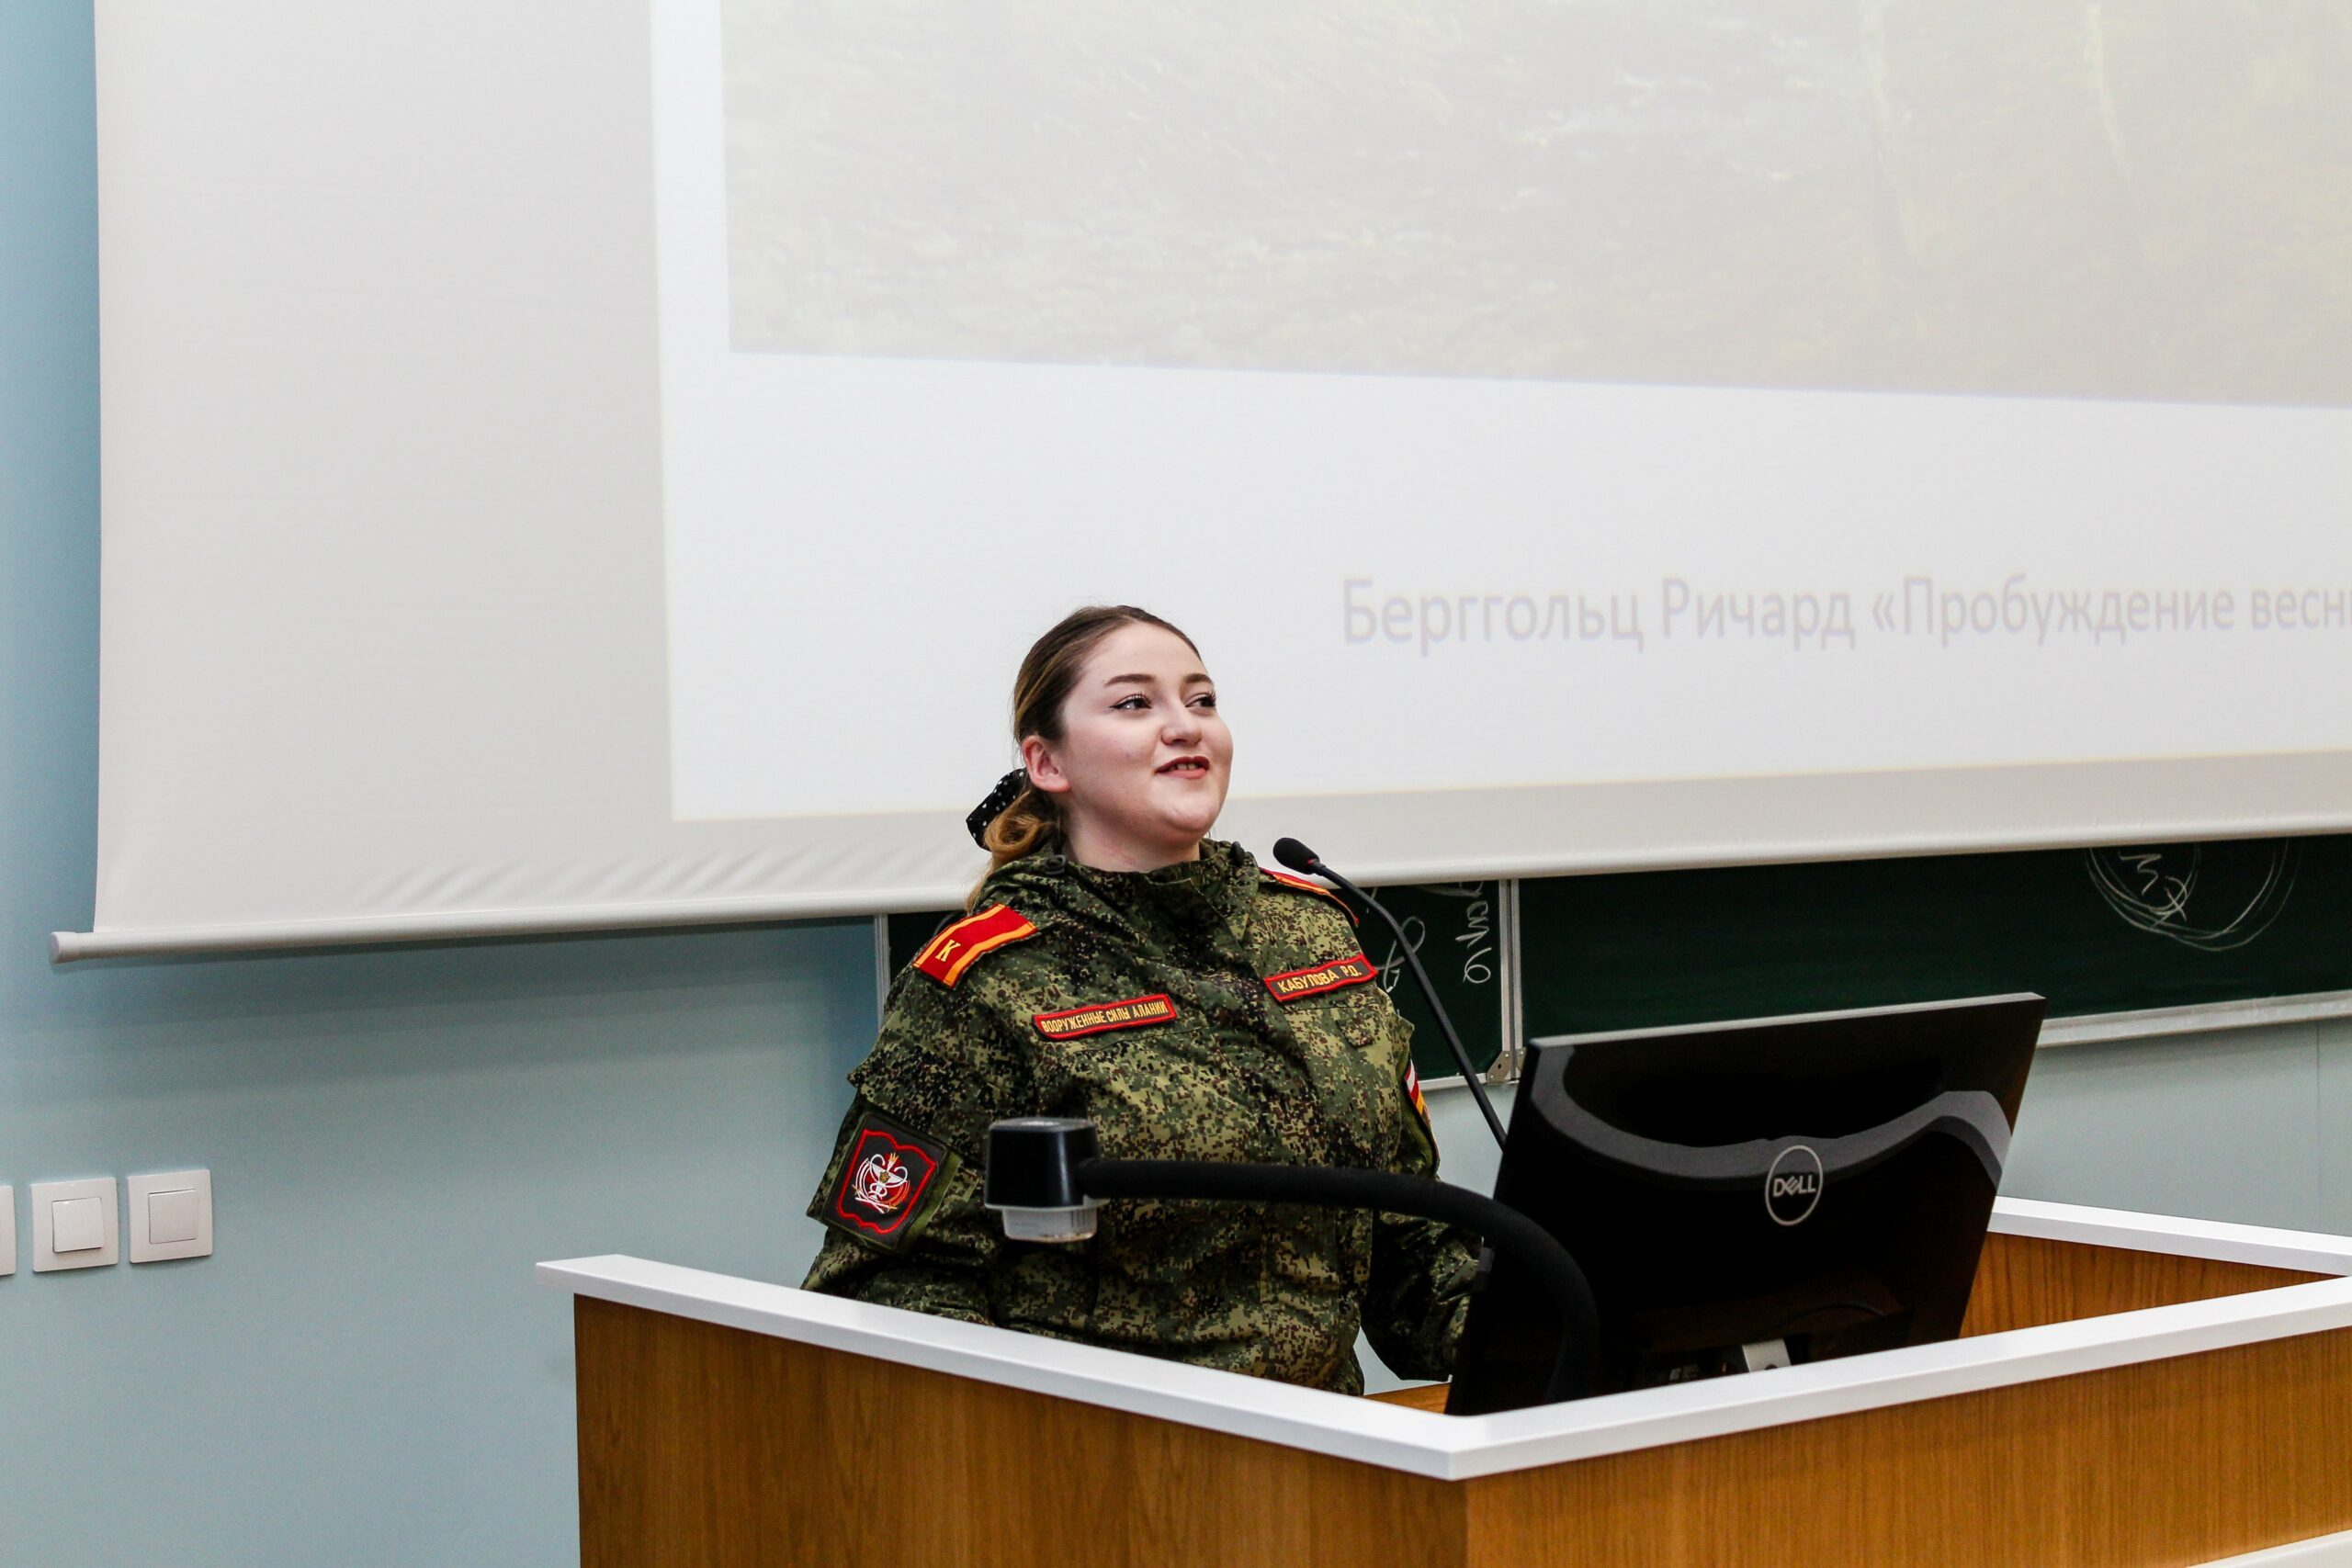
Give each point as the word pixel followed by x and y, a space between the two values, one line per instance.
pixel 2212 897
pixel 1469 945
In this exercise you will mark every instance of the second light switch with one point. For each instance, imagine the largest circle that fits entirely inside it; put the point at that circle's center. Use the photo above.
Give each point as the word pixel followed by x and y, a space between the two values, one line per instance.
pixel 77 1224
pixel 74 1224
pixel 171 1215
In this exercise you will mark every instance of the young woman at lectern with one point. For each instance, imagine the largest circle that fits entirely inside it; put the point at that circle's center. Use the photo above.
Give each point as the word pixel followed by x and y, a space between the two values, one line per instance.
pixel 1121 965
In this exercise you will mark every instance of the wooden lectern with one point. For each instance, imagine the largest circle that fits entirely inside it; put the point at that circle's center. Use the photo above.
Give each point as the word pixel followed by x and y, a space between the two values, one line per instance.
pixel 2128 1390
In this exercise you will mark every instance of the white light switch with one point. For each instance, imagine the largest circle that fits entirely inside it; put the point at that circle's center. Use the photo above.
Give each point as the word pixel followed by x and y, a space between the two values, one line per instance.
pixel 171 1215
pixel 75 1225
pixel 7 1231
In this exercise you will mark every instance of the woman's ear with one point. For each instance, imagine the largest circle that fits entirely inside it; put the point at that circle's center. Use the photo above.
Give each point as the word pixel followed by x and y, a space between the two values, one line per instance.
pixel 1045 773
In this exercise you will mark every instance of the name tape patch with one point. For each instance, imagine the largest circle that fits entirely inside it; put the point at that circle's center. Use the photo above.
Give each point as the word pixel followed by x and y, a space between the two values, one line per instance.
pixel 1297 984
pixel 1132 1013
pixel 885 1174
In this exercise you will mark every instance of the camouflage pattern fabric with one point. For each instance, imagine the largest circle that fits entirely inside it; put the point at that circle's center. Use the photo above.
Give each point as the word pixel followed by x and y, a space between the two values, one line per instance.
pixel 1222 1070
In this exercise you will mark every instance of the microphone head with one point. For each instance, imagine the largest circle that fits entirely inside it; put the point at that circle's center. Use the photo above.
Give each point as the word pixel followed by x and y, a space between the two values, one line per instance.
pixel 1295 855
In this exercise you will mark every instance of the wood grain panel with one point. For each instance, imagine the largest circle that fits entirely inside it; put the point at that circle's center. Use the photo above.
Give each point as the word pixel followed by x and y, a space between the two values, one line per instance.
pixel 707 1445
pixel 2024 1282
pixel 1421 1396
pixel 2173 1461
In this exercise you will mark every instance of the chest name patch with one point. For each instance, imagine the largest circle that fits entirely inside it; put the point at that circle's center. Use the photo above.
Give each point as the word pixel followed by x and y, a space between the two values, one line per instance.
pixel 887 1173
pixel 1132 1013
pixel 1297 984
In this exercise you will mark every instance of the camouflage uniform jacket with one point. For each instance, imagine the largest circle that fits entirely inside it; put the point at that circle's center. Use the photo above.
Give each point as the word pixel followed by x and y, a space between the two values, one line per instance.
pixel 1250 1034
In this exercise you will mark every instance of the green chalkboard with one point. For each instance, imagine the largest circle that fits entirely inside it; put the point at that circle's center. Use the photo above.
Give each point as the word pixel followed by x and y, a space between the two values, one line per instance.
pixel 1461 931
pixel 2095 930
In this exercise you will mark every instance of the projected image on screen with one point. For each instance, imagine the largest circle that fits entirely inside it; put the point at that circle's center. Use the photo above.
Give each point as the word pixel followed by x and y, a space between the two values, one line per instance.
pixel 2086 199
pixel 569 466
pixel 1534 399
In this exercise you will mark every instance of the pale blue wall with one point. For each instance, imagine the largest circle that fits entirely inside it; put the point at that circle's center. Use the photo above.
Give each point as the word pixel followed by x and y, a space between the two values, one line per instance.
pixel 2253 1125
pixel 365 1373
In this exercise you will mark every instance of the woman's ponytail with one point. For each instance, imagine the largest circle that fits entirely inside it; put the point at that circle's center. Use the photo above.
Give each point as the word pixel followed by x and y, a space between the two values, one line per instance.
pixel 1031 823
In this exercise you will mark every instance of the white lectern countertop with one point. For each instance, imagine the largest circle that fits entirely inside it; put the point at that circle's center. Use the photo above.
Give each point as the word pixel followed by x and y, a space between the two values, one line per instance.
pixel 1458 1447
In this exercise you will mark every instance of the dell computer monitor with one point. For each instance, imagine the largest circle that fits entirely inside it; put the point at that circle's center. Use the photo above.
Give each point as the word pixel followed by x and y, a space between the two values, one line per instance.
pixel 1750 1194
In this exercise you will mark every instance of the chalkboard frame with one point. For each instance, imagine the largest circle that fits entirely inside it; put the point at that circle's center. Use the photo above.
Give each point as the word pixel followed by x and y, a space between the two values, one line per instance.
pixel 2264 937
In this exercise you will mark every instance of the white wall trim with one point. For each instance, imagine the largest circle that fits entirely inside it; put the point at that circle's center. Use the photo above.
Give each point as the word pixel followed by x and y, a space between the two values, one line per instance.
pixel 2201 1018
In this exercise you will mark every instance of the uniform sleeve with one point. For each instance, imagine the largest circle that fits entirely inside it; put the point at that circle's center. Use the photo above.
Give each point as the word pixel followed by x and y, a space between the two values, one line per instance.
pixel 1421 1269
pixel 943 1068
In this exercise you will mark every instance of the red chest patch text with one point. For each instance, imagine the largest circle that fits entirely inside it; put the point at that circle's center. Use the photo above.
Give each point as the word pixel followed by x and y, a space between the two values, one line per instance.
pixel 1132 1013
pixel 1297 984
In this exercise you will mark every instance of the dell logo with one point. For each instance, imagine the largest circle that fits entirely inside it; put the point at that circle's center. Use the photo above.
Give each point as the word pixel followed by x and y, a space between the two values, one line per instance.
pixel 1794 1185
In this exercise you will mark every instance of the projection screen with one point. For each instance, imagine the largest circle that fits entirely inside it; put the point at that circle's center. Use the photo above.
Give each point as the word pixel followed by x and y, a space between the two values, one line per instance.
pixel 581 464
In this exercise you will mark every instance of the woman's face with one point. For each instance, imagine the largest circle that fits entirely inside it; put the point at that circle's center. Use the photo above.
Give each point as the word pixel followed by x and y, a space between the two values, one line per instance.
pixel 1144 760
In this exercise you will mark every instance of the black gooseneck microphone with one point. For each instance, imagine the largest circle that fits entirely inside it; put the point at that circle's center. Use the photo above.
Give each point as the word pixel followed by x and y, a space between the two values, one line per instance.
pixel 1306 863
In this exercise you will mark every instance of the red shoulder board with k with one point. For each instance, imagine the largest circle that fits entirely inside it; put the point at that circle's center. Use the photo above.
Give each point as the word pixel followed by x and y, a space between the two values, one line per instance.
pixel 887 1173
pixel 1132 1013
pixel 1304 885
pixel 1297 984
pixel 947 956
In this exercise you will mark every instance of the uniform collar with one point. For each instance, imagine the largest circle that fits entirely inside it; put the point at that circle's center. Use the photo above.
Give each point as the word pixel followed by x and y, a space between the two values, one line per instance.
pixel 1210 893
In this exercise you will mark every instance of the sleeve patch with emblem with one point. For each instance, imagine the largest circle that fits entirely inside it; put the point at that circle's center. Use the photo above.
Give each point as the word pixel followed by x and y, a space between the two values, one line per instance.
pixel 1304 885
pixel 953 951
pixel 1132 1013
pixel 1297 984
pixel 887 1172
